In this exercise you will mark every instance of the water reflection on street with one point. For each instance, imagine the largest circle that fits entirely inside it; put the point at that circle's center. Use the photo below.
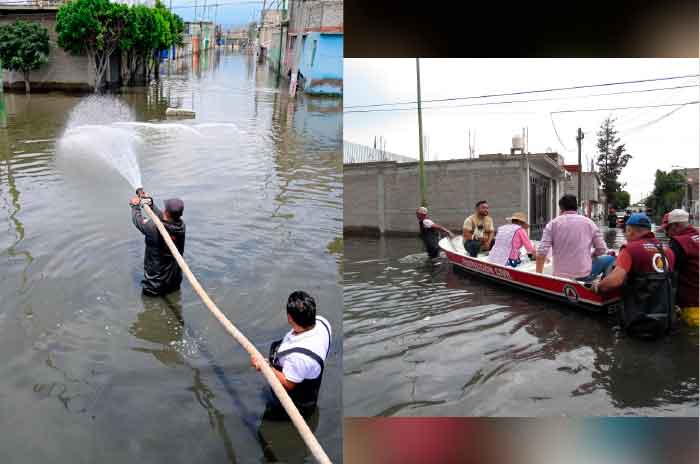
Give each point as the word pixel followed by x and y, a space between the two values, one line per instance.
pixel 422 339
pixel 90 370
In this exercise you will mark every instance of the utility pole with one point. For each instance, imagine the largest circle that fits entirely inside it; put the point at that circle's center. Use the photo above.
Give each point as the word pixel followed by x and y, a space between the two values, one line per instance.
pixel 579 138
pixel 421 167
pixel 297 49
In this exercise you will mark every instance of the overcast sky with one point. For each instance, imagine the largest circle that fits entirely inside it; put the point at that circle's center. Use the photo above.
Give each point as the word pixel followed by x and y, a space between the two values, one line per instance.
pixel 672 140
pixel 228 13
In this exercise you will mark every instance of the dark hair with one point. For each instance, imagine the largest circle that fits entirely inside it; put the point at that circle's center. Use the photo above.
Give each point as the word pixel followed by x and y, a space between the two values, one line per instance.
pixel 568 203
pixel 174 207
pixel 302 308
pixel 479 203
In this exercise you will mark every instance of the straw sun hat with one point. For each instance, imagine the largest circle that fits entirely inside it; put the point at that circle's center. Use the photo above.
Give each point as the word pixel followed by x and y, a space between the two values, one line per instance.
pixel 520 216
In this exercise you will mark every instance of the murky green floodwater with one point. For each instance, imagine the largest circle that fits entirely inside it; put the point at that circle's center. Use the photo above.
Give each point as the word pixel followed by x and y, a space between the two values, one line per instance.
pixel 90 371
pixel 423 340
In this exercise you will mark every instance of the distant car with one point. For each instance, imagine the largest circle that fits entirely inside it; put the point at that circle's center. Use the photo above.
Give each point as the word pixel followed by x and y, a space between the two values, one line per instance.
pixel 620 219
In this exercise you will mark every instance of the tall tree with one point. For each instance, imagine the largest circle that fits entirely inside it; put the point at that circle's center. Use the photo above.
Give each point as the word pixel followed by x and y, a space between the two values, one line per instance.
pixel 24 47
pixel 669 189
pixel 622 199
pixel 612 157
pixel 139 39
pixel 94 27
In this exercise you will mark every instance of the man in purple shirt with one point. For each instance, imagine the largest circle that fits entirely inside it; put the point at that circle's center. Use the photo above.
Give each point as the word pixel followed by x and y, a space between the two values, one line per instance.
pixel 570 236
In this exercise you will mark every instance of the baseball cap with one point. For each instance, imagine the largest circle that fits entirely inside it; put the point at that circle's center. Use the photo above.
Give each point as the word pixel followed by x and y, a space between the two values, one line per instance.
pixel 639 220
pixel 174 207
pixel 677 215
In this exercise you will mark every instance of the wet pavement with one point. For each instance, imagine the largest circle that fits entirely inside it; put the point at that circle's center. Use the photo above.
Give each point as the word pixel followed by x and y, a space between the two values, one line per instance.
pixel 425 340
pixel 91 371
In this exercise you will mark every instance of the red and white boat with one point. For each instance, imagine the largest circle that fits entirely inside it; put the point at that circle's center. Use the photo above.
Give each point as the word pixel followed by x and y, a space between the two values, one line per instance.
pixel 525 278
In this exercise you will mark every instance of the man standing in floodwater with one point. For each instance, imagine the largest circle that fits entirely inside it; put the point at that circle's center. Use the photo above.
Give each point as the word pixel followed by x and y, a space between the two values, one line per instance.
pixel 430 232
pixel 161 274
pixel 298 359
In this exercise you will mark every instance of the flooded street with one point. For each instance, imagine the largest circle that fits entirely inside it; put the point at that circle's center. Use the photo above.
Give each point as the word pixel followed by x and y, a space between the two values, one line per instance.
pixel 91 371
pixel 422 340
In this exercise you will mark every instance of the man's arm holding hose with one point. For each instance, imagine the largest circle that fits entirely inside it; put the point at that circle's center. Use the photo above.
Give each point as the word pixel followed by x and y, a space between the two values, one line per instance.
pixel 144 225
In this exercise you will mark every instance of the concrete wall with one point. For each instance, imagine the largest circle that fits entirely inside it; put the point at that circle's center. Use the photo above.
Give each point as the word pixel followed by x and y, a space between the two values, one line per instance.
pixel 383 197
pixel 62 72
pixel 322 68
pixel 589 186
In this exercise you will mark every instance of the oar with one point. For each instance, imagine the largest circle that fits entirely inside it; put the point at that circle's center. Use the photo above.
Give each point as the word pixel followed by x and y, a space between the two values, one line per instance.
pixel 297 419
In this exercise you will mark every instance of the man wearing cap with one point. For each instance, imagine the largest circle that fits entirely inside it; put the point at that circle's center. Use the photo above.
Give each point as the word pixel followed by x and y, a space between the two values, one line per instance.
pixel 510 238
pixel 162 274
pixel 570 237
pixel 644 271
pixel 430 232
pixel 684 243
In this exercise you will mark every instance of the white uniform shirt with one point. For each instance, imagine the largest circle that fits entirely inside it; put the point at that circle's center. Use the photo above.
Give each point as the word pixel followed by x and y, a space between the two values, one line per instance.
pixel 298 366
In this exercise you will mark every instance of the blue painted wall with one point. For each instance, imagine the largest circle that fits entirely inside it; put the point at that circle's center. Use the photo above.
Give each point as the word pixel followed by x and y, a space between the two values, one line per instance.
pixel 322 58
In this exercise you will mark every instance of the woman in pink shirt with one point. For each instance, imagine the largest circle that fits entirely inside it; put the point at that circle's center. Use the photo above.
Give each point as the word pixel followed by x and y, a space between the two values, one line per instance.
pixel 509 240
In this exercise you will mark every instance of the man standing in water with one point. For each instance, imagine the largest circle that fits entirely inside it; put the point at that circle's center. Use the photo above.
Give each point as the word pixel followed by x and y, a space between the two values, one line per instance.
pixel 430 232
pixel 298 359
pixel 162 274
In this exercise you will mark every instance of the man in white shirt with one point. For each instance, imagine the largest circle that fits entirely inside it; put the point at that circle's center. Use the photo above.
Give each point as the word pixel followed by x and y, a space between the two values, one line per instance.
pixel 298 359
pixel 430 232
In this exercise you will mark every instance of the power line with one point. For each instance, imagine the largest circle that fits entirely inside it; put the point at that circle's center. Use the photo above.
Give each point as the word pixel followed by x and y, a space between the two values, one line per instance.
pixel 217 5
pixel 525 101
pixel 626 131
pixel 625 107
pixel 529 91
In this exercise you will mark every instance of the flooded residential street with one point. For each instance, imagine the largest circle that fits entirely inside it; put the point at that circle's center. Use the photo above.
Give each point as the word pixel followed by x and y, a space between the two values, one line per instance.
pixel 92 371
pixel 423 340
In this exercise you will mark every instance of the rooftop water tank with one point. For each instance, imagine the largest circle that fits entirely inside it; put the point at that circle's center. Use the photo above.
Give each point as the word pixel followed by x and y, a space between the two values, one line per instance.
pixel 517 142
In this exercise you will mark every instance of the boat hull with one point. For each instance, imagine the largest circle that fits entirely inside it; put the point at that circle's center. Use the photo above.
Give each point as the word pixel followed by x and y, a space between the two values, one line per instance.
pixel 566 291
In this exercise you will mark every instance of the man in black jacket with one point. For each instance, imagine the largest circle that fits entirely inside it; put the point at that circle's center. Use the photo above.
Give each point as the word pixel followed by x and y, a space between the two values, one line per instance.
pixel 162 274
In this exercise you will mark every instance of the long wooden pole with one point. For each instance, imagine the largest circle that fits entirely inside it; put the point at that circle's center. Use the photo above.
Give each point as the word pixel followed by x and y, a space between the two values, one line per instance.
pixel 421 168
pixel 298 421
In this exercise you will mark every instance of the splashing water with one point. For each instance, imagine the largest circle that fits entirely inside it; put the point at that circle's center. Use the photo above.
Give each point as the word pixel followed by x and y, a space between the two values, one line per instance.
pixel 91 137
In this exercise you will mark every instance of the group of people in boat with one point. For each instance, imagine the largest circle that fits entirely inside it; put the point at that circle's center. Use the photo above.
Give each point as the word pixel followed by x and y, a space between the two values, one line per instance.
pixel 297 359
pixel 652 276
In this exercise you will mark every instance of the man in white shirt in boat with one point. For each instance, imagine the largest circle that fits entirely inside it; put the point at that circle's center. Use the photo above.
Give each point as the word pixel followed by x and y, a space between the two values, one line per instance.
pixel 430 232
pixel 298 360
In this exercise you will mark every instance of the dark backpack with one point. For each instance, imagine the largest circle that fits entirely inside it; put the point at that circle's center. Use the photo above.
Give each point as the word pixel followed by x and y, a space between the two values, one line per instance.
pixel 648 299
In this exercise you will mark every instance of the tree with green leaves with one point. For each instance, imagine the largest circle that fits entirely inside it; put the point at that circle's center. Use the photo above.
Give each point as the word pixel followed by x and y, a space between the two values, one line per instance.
pixel 24 47
pixel 621 199
pixel 92 27
pixel 139 39
pixel 612 158
pixel 669 191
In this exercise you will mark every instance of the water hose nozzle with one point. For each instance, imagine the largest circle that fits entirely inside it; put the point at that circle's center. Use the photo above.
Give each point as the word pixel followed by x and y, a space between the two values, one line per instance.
pixel 140 192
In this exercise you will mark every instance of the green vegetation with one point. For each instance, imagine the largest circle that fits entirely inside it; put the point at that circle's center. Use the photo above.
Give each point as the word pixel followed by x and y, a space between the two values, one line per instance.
pixel 620 200
pixel 100 28
pixel 24 47
pixel 669 191
pixel 612 159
